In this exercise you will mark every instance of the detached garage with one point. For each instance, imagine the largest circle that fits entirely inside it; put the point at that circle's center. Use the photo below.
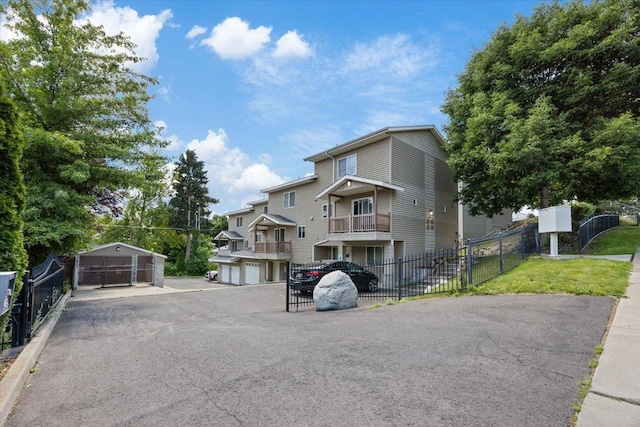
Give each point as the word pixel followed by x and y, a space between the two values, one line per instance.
pixel 118 264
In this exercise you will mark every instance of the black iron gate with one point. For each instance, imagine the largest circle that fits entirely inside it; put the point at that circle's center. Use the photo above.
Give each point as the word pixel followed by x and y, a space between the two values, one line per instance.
pixel 42 289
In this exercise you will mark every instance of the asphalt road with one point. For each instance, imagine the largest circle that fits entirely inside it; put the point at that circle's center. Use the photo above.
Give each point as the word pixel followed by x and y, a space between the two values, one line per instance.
pixel 232 356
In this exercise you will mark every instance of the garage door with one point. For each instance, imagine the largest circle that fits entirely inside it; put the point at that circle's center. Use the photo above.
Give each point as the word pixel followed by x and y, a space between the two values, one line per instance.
pixel 235 275
pixel 224 274
pixel 253 273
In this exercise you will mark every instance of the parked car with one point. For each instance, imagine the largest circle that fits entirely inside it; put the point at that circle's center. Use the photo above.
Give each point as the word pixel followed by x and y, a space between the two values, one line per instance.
pixel 211 275
pixel 306 279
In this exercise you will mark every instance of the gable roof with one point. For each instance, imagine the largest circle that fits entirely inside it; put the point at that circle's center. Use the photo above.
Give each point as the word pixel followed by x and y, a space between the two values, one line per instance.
pixel 228 235
pixel 291 184
pixel 117 244
pixel 272 219
pixel 370 138
pixel 344 186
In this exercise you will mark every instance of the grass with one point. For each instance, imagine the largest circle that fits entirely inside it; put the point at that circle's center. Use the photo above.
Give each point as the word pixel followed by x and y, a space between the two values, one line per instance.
pixel 621 240
pixel 579 276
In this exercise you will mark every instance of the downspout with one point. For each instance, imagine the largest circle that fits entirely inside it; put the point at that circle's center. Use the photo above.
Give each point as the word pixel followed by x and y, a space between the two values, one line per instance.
pixel 333 179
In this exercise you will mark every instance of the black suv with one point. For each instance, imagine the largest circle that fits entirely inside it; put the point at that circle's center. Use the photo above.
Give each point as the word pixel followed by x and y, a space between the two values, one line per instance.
pixel 306 279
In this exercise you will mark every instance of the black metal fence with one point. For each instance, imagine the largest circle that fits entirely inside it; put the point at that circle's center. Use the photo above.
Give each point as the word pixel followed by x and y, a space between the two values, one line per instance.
pixel 593 226
pixel 447 270
pixel 42 289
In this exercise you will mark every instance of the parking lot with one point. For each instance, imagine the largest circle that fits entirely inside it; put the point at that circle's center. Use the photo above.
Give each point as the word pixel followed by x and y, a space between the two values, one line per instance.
pixel 232 356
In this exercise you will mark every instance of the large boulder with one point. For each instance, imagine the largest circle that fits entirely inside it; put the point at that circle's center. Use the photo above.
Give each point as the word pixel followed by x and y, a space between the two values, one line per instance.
pixel 335 291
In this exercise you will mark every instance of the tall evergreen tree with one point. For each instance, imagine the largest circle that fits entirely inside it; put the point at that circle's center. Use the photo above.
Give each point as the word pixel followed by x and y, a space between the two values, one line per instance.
pixel 190 203
pixel 85 115
pixel 12 198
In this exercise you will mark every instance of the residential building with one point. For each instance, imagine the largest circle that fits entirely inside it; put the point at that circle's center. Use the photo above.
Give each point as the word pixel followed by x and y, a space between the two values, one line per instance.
pixel 384 195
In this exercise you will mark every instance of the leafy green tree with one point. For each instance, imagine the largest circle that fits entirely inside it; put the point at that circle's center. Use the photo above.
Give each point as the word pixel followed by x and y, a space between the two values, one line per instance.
pixel 85 115
pixel 548 110
pixel 191 200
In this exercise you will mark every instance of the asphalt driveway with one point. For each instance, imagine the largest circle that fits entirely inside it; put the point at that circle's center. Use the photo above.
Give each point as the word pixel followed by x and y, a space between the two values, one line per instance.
pixel 233 357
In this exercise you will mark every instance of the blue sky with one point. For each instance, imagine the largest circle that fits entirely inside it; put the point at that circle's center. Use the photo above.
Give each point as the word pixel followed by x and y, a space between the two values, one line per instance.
pixel 255 86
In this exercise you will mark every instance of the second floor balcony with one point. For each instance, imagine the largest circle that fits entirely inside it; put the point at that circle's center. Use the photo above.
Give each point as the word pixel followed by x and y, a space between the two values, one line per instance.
pixel 360 223
pixel 273 247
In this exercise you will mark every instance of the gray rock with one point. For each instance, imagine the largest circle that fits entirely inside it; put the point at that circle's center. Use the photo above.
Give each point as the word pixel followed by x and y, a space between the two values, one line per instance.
pixel 335 291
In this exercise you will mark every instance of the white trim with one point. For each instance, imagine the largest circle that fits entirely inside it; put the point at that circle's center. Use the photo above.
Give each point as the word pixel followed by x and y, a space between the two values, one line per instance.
pixel 358 179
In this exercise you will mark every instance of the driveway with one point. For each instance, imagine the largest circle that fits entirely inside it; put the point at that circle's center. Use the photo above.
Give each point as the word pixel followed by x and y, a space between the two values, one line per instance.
pixel 232 356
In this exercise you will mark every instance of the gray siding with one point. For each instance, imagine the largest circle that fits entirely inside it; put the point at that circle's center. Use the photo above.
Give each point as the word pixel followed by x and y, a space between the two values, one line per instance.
pixel 446 209
pixel 408 167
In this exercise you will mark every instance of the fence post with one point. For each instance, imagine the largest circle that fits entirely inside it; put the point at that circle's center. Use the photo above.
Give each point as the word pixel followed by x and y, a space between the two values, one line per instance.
pixel 287 272
pixel 501 254
pixel 399 270
pixel 469 259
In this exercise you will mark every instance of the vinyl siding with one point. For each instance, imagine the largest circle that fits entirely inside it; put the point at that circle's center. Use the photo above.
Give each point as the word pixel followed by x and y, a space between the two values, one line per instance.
pixel 478 226
pixel 372 161
pixel 305 209
pixel 446 221
pixel 409 166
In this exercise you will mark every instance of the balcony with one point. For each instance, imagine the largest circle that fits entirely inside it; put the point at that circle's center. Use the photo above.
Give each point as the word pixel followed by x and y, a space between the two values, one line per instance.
pixel 360 223
pixel 273 247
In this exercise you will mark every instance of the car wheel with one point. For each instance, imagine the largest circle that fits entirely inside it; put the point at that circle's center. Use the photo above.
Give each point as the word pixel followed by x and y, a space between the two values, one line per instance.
pixel 373 286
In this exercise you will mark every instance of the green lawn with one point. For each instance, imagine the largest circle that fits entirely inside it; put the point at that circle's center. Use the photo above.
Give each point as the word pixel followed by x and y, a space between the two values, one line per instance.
pixel 581 276
pixel 621 240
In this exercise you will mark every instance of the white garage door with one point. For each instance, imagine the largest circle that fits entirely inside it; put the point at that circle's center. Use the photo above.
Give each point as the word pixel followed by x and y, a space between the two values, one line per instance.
pixel 224 274
pixel 235 275
pixel 252 270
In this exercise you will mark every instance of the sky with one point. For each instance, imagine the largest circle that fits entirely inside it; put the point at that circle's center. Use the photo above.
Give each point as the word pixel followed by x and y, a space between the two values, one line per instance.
pixel 254 87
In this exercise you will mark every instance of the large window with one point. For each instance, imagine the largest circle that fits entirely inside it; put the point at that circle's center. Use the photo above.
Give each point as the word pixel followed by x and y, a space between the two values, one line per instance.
pixel 347 166
pixel 363 206
pixel 289 199
pixel 375 255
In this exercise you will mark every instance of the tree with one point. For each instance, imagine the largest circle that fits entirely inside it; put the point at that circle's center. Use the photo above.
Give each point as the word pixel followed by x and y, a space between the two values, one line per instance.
pixel 548 110
pixel 191 200
pixel 12 190
pixel 85 115
pixel 12 197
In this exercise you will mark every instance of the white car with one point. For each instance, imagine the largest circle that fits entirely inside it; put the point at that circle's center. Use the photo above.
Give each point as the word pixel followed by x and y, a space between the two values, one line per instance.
pixel 211 275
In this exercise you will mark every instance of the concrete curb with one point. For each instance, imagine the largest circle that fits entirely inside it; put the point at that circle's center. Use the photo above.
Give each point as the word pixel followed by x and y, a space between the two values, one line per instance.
pixel 15 379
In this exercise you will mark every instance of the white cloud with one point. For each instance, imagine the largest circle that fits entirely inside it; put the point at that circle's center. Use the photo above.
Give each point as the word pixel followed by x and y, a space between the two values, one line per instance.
pixel 5 32
pixel 233 39
pixel 143 30
pixel 234 177
pixel 195 31
pixel 255 178
pixel 291 45
pixel 389 56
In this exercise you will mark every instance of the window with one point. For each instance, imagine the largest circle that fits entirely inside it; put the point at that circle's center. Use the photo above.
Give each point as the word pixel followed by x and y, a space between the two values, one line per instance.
pixel 347 166
pixel 290 199
pixel 325 210
pixel 363 206
pixel 239 221
pixel 265 210
pixel 234 245
pixel 302 232
pixel 279 234
pixel 374 255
